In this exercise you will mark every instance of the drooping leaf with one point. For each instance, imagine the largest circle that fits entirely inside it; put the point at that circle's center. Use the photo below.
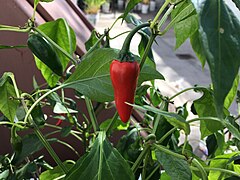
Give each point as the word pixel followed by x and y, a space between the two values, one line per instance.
pixel 92 40
pixel 175 167
pixel 54 173
pixel 237 3
pixel 119 125
pixel 220 35
pixel 142 47
pixel 102 162
pixel 232 93
pixel 62 34
pixel 129 145
pixel 222 161
pixel 173 118
pixel 198 48
pixel 8 105
pixel 59 108
pixel 30 145
pixel 92 76
pixel 131 19
pixel 186 22
pixel 131 4
pixel 205 107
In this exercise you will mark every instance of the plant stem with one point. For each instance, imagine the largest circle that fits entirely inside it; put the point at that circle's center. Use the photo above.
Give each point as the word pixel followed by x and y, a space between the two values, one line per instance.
pixel 13 124
pixel 200 168
pixel 69 146
pixel 112 123
pixel 111 38
pixel 91 114
pixel 217 169
pixel 14 29
pixel 140 158
pixel 155 169
pixel 49 148
pixel 164 149
pixel 159 13
pixel 148 47
pixel 165 16
pixel 56 45
pixel 185 90
pixel 158 118
pixel 205 119
pixel 39 100
pixel 166 135
pixel 144 170
pixel 184 144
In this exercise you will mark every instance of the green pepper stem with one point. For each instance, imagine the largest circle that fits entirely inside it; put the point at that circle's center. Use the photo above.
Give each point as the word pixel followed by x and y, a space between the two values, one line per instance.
pixel 126 44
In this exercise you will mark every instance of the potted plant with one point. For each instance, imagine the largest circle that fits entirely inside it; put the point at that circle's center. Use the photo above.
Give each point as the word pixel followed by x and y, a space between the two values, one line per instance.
pixel 106 6
pixel 145 6
pixel 92 9
pixel 152 5
pixel 120 4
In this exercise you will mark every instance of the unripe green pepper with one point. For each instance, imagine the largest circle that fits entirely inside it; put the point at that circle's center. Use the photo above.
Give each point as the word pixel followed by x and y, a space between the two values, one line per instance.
pixel 44 51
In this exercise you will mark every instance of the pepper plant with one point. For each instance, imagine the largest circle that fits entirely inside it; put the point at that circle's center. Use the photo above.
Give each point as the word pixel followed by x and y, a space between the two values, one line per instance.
pixel 149 148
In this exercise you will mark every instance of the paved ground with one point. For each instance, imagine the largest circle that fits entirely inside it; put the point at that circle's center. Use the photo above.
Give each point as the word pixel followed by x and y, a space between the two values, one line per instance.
pixel 181 68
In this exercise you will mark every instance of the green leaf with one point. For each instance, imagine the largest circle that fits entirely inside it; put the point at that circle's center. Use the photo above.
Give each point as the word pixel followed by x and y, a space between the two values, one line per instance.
pixel 142 46
pixel 59 108
pixel 92 77
pixel 175 167
pixel 65 131
pixel 38 115
pixel 173 118
pixel 198 48
pixel 129 7
pixel 205 107
pixel 186 22
pixel 102 162
pixel 221 161
pixel 133 20
pixel 221 43
pixel 30 145
pixel 237 3
pixel 12 47
pixel 130 145
pixel 8 105
pixel 54 173
pixel 62 34
pixel 119 125
pixel 232 129
pixel 92 40
pixel 232 93
pixel 4 174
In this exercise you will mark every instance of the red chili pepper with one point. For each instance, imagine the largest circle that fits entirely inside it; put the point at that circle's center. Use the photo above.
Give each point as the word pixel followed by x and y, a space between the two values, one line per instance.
pixel 59 122
pixel 124 76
